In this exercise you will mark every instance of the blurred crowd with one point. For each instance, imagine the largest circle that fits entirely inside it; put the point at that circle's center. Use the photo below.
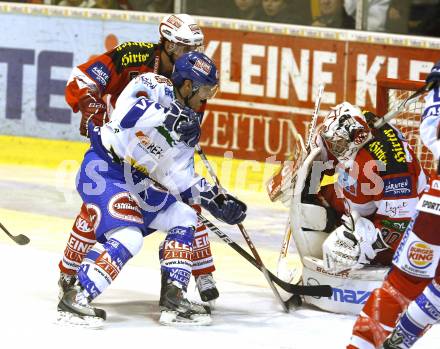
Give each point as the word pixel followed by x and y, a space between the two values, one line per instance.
pixel 418 17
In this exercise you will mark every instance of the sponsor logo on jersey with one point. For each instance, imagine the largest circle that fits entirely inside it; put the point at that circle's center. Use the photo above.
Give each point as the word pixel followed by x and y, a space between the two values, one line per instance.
pixel 396 208
pixel 147 145
pixel 399 225
pixel 420 255
pixel 396 145
pixel 134 58
pixel 378 149
pixel 99 73
pixel 175 21
pixel 430 204
pixel 134 44
pixel 125 207
pixel 202 66
pixel 397 186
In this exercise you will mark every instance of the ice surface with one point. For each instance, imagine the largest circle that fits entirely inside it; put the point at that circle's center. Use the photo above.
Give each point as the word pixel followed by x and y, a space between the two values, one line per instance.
pixel 246 316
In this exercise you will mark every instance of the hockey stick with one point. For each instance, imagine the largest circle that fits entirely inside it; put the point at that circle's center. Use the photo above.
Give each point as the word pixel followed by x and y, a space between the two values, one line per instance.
pixel 243 231
pixel 316 291
pixel 19 239
pixel 405 103
pixel 301 290
pixel 282 263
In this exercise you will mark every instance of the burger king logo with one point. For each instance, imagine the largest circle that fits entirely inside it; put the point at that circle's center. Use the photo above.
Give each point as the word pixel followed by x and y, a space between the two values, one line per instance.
pixel 420 255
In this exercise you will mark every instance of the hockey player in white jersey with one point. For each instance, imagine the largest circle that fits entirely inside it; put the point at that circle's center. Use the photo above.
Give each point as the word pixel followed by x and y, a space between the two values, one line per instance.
pixel 147 140
pixel 417 260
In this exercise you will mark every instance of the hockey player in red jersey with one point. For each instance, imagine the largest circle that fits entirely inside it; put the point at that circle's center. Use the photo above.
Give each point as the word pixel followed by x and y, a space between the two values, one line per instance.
pixel 415 263
pixel 379 180
pixel 107 75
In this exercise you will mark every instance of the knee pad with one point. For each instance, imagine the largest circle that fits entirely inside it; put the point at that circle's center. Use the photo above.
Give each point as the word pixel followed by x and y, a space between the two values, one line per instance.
pixel 130 237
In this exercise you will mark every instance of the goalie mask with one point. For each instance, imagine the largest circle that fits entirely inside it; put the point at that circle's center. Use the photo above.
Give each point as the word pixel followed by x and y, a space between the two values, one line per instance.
pixel 344 132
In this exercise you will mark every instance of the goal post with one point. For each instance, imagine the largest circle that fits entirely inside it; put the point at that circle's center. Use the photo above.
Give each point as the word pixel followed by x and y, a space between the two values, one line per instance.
pixel 390 93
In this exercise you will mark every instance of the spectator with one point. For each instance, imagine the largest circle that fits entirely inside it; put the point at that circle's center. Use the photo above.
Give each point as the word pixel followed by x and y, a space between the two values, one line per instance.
pixel 213 8
pixel 164 6
pixel 332 14
pixel 74 3
pixel 375 16
pixel 424 18
pixel 244 9
pixel 398 16
pixel 104 4
pixel 283 11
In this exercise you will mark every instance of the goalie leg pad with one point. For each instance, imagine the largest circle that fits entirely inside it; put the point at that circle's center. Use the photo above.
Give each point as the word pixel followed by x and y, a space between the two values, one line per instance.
pixel 313 217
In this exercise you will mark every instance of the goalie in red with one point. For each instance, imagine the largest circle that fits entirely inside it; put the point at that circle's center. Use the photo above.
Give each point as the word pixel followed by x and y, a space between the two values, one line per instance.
pixel 107 75
pixel 415 275
pixel 346 233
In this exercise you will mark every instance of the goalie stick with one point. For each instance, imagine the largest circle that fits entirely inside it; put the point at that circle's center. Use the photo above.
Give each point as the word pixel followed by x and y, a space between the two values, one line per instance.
pixel 405 103
pixel 243 231
pixel 19 239
pixel 282 267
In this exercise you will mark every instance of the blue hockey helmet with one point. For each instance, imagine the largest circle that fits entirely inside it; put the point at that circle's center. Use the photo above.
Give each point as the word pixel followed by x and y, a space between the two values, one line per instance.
pixel 198 68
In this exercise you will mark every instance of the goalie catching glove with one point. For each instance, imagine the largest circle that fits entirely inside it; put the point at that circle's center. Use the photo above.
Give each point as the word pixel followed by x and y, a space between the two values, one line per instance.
pixel 93 108
pixel 352 245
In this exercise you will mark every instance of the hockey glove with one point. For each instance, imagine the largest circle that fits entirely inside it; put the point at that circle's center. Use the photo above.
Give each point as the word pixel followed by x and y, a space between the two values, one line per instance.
pixel 184 123
pixel 92 108
pixel 224 207
pixel 434 75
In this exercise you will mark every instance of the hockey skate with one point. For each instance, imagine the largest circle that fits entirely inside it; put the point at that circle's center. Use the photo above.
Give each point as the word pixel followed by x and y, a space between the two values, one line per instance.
pixel 74 310
pixel 65 282
pixel 177 310
pixel 207 289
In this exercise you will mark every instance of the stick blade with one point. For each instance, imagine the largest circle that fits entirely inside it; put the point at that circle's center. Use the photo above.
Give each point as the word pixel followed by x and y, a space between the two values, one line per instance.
pixel 21 239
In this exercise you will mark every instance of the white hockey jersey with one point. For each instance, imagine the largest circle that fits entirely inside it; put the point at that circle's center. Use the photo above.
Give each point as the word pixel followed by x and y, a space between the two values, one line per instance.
pixel 429 128
pixel 137 135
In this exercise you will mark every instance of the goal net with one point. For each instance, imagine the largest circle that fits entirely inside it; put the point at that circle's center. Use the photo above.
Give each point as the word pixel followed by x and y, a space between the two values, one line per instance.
pixel 390 93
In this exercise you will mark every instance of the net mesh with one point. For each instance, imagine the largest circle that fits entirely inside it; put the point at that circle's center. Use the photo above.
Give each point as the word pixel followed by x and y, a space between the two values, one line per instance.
pixel 409 122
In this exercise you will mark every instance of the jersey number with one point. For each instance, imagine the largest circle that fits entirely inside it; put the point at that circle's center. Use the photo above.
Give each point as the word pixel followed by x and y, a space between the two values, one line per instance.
pixel 133 115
